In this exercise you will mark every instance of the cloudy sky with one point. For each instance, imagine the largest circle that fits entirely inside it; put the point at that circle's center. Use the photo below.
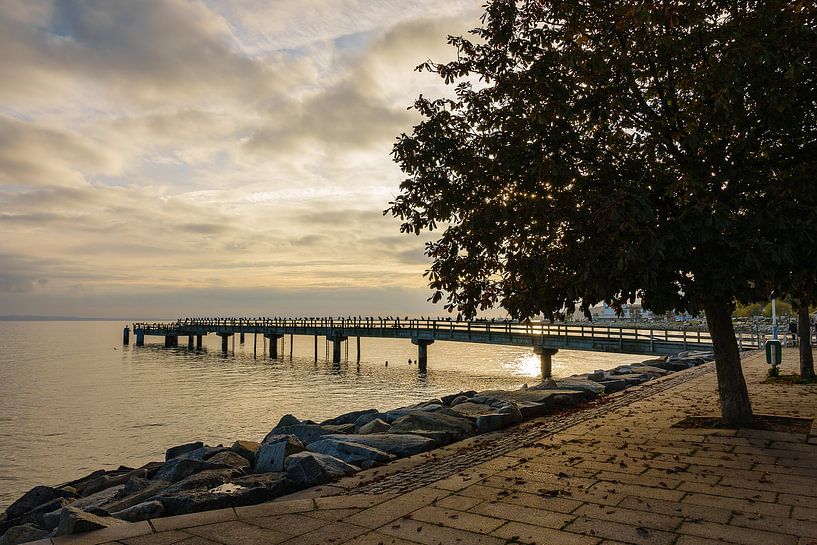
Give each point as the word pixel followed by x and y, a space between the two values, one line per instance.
pixel 183 157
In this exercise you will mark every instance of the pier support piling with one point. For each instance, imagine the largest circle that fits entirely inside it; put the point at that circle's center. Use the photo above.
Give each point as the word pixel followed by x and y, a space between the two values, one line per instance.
pixel 140 337
pixel 225 346
pixel 198 342
pixel 126 336
pixel 422 353
pixel 171 341
pixel 190 342
pixel 241 338
pixel 291 344
pixel 546 360
pixel 358 348
pixel 273 345
pixel 337 339
pixel 316 348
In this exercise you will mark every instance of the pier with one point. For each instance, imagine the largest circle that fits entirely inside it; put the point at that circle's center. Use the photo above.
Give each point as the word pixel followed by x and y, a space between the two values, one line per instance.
pixel 546 339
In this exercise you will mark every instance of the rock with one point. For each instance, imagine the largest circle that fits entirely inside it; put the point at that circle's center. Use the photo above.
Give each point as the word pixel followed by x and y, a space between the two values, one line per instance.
pixel 613 385
pixel 307 469
pixel 135 484
pixel 457 400
pixel 35 497
pixel 650 370
pixel 37 516
pixel 134 497
pixel 473 410
pixel 182 449
pixel 352 453
pixel 287 420
pixel 306 433
pixel 512 413
pixel 79 484
pixel 99 498
pixel 111 479
pixel 447 400
pixel 178 468
pixel 596 376
pixel 347 418
pixel 375 426
pixel 247 490
pixel 632 379
pixel 23 534
pixel 231 459
pixel 75 521
pixel 274 450
pixel 141 511
pixel 203 453
pixel 572 383
pixel 443 428
pixel 366 418
pixel 400 445
pixel 340 428
pixel 206 479
pixel 246 449
pixel 490 422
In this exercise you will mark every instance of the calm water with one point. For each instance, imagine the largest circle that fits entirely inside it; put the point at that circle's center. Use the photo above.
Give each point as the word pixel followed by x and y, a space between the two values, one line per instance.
pixel 73 400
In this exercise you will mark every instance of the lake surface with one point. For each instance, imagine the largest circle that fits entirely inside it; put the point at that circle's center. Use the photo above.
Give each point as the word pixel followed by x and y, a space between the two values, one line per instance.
pixel 73 399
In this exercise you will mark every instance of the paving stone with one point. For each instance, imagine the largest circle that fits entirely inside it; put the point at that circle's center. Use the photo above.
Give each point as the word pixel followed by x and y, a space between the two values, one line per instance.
pixel 527 533
pixel 376 538
pixel 194 519
pixel 275 508
pixel 628 533
pixel 733 534
pixel 292 524
pixel 460 503
pixel 395 508
pixel 528 515
pixel 683 510
pixel 457 519
pixel 431 534
pixel 337 532
pixel 162 538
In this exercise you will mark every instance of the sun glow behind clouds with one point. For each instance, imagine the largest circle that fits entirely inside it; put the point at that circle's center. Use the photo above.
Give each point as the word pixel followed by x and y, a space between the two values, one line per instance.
pixel 233 145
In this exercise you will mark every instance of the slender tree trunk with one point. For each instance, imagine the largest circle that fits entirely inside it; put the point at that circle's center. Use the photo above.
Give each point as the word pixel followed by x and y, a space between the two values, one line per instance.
pixel 804 332
pixel 736 410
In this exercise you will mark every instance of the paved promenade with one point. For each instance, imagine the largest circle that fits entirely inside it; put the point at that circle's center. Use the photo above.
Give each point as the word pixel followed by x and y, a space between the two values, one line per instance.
pixel 616 472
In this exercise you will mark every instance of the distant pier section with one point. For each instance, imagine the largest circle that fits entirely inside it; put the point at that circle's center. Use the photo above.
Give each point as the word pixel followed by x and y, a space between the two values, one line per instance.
pixel 544 338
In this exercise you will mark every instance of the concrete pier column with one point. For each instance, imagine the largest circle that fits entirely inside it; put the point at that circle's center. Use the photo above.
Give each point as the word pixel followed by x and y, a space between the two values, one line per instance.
pixel 273 345
pixel 546 357
pixel 316 348
pixel 358 348
pixel 291 344
pixel 198 342
pixel 241 338
pixel 126 336
pixel 422 353
pixel 140 337
pixel 337 339
pixel 225 345
pixel 171 341
pixel 190 342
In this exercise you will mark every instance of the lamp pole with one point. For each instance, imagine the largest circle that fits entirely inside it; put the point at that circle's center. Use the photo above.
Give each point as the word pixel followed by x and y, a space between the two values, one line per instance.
pixel 774 318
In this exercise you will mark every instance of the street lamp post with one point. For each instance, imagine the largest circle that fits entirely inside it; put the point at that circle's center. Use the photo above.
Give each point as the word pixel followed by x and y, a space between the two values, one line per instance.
pixel 774 319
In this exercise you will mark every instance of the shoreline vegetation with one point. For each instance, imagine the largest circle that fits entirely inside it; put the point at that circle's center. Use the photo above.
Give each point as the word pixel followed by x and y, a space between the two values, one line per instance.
pixel 298 454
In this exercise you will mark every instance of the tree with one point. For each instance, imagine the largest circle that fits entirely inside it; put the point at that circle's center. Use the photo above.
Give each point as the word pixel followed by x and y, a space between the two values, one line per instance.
pixel 604 151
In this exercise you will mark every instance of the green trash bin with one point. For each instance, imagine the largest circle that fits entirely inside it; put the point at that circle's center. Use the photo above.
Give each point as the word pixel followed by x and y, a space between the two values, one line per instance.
pixel 774 352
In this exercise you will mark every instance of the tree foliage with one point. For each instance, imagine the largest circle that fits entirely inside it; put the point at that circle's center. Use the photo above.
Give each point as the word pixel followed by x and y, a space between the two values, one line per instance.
pixel 608 150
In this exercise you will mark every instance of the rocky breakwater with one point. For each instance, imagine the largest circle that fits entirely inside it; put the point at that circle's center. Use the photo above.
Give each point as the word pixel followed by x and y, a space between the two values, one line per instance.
pixel 298 454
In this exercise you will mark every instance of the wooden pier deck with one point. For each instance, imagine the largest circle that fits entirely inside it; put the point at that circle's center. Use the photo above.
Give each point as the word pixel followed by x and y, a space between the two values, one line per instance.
pixel 544 338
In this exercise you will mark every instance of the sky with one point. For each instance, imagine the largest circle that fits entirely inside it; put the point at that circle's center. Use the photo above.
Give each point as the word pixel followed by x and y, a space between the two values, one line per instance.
pixel 165 158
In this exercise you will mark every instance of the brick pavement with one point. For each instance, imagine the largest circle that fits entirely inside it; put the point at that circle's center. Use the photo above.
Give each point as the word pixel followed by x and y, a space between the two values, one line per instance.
pixel 622 475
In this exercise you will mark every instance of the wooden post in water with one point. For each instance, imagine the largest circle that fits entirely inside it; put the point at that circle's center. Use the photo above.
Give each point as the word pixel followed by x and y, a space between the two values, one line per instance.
pixel 198 342
pixel 316 348
pixel 190 341
pixel 254 344
pixel 291 344
pixel 358 348
pixel 126 336
pixel 241 339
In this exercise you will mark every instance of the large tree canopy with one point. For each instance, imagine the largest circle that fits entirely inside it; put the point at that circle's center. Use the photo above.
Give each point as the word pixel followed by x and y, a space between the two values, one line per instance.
pixel 608 150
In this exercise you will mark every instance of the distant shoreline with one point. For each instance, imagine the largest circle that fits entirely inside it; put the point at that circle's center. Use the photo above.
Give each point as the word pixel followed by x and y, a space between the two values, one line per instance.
pixel 24 318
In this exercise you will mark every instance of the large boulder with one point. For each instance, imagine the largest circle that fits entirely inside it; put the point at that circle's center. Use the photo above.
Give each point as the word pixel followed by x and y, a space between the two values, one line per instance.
pixel 172 452
pixel 449 398
pixel 274 450
pixel 400 445
pixel 179 468
pixel 375 426
pixel 231 459
pixel 111 479
pixel 247 490
pixel 99 498
pixel 75 521
pixel 442 428
pixel 206 479
pixel 307 469
pixel 368 417
pixel 347 418
pixel 574 383
pixel 141 511
pixel 246 449
pixel 135 492
pixel 306 433
pixel 287 420
pixel 22 534
pixel 352 453
pixel 36 515
pixel 204 453
pixel 37 496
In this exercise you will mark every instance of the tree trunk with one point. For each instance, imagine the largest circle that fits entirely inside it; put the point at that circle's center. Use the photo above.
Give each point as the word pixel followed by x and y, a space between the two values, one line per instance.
pixel 736 410
pixel 804 332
